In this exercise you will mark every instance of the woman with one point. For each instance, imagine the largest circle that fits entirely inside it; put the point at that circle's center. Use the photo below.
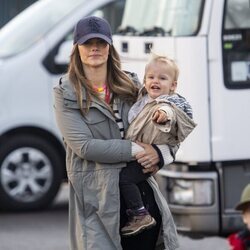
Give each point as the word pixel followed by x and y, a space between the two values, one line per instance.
pixel 91 107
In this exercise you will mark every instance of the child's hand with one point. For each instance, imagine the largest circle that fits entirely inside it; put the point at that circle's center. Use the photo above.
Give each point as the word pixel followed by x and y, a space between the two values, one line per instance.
pixel 160 117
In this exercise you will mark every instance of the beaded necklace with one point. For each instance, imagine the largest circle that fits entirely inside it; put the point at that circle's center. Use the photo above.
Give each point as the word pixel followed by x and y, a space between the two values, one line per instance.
pixel 103 91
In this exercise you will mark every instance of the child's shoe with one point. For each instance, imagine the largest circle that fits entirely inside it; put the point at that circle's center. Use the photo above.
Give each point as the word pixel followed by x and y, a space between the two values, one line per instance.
pixel 138 222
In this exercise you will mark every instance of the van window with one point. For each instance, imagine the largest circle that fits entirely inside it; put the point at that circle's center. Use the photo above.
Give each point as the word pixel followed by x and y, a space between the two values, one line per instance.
pixel 32 24
pixel 237 14
pixel 236 44
pixel 169 17
pixel 112 12
pixel 56 62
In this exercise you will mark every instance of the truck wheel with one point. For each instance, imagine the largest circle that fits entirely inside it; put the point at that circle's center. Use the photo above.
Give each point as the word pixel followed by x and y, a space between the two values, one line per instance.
pixel 30 173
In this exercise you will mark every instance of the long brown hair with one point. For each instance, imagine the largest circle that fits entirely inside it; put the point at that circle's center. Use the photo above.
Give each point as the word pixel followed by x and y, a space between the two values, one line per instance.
pixel 119 84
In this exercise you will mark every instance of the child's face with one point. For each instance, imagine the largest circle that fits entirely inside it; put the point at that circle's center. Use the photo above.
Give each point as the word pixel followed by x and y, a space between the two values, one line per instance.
pixel 246 217
pixel 159 79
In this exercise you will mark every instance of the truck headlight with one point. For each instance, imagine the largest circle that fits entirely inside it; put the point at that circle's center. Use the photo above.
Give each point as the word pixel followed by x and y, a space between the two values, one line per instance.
pixel 190 192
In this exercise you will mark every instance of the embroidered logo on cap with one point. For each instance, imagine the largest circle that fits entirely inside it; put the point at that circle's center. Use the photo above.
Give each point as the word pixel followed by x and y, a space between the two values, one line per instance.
pixel 94 25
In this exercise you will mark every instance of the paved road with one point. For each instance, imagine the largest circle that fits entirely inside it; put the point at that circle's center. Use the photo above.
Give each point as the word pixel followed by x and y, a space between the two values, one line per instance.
pixel 47 230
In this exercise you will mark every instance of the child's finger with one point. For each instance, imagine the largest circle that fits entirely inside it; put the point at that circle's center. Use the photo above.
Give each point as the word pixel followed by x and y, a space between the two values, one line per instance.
pixel 164 117
pixel 155 116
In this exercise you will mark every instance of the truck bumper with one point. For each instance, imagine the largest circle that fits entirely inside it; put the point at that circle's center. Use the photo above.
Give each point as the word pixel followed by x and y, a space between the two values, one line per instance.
pixel 204 201
pixel 193 199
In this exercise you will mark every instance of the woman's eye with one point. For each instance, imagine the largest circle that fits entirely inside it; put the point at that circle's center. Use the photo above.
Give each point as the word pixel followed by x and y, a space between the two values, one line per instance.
pixel 102 41
pixel 87 42
pixel 99 42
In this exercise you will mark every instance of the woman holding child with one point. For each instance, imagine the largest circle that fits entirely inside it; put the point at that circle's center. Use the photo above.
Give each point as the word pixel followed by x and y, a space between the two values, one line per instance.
pixel 91 105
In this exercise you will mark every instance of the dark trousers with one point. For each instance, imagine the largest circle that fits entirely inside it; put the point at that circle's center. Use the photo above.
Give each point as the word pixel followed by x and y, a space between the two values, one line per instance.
pixel 147 239
pixel 130 176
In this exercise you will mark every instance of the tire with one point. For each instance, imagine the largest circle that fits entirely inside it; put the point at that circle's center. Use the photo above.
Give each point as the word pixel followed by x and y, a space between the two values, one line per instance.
pixel 30 173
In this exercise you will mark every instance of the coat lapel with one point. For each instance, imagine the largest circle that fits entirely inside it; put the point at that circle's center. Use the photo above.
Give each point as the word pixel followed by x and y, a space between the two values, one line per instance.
pixel 71 100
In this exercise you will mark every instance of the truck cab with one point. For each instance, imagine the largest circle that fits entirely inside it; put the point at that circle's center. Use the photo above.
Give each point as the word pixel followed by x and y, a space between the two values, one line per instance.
pixel 210 41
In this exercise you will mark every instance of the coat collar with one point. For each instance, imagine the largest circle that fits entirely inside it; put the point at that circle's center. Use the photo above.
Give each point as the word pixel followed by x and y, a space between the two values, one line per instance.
pixel 70 95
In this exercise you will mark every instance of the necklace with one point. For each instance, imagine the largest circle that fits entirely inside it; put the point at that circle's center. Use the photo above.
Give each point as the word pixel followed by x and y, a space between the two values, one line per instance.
pixel 103 91
pixel 100 89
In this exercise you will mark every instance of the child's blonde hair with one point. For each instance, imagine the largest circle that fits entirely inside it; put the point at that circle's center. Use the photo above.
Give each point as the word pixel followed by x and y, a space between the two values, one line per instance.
pixel 162 58
pixel 159 58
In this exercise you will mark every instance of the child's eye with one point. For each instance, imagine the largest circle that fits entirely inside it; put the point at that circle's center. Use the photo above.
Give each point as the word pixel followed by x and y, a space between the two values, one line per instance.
pixel 164 78
pixel 150 77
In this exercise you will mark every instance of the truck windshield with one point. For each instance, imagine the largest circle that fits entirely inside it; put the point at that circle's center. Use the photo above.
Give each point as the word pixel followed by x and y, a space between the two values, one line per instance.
pixel 165 17
pixel 32 24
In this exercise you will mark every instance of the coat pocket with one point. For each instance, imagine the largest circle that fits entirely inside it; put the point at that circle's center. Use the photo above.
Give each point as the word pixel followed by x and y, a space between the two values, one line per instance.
pixel 71 104
pixel 94 116
pixel 97 122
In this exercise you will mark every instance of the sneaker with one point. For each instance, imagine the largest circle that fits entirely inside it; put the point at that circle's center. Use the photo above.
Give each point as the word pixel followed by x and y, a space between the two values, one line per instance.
pixel 137 223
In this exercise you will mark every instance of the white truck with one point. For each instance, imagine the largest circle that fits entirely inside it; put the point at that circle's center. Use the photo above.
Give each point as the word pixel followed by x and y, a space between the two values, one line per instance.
pixel 31 151
pixel 210 41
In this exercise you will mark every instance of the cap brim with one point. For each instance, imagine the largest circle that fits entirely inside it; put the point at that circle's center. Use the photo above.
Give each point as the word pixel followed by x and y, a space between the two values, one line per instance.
pixel 242 205
pixel 84 39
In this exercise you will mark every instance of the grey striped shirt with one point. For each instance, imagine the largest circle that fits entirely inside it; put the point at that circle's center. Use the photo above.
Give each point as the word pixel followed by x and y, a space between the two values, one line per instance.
pixel 178 100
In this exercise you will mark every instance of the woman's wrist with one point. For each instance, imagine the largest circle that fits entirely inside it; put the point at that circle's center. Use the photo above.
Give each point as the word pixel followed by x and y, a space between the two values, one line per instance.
pixel 136 149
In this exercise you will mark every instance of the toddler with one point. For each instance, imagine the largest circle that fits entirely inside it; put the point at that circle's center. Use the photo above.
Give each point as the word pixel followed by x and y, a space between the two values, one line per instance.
pixel 160 116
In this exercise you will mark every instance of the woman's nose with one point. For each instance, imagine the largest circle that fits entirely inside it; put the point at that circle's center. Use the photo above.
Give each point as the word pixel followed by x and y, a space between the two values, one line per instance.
pixel 94 46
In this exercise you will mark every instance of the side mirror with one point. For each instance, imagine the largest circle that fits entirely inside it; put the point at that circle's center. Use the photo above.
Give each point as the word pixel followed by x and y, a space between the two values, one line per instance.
pixel 57 60
pixel 62 57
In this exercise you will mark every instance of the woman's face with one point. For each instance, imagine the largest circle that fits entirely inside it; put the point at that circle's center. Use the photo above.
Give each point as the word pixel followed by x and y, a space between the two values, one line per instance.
pixel 94 52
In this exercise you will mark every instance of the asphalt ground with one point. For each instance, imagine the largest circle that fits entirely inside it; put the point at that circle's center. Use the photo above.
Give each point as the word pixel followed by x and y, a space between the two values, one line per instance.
pixel 48 230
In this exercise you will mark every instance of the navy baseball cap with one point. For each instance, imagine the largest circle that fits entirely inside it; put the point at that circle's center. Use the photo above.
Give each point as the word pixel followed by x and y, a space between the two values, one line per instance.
pixel 92 27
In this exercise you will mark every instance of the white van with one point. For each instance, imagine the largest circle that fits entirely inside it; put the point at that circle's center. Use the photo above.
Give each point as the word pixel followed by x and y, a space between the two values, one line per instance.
pixel 31 151
pixel 210 40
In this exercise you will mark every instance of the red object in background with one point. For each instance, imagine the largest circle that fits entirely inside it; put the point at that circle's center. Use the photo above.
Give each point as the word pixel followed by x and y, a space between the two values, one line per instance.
pixel 235 242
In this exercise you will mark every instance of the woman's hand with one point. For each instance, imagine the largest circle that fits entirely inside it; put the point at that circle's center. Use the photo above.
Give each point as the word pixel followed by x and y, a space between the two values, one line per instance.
pixel 149 157
pixel 152 170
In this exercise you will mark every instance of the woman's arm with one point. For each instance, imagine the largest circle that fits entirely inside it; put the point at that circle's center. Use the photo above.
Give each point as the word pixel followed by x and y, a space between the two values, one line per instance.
pixel 79 138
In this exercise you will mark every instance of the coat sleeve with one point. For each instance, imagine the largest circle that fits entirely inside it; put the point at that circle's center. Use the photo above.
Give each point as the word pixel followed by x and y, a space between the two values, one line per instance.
pixel 167 155
pixel 167 152
pixel 79 138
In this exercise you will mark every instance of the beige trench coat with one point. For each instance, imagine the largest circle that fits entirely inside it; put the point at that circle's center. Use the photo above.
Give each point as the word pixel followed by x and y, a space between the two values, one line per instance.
pixel 176 129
